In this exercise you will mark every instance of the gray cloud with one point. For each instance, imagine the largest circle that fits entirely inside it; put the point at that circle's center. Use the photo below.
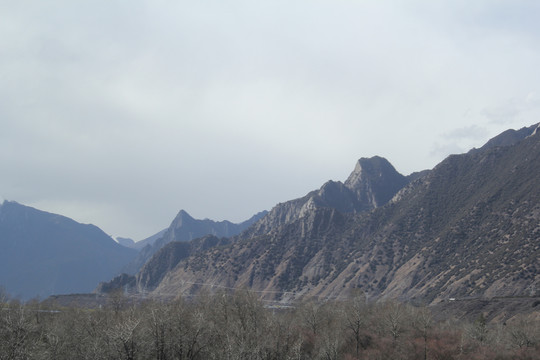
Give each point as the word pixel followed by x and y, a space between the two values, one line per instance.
pixel 468 132
pixel 121 114
pixel 504 113
pixel 514 109
pixel 444 150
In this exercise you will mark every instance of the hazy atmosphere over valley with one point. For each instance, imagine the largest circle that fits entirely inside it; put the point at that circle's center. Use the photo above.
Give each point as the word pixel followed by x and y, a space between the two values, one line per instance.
pixel 122 113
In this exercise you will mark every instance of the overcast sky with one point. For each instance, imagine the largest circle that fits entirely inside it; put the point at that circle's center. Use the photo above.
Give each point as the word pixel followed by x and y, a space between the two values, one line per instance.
pixel 121 113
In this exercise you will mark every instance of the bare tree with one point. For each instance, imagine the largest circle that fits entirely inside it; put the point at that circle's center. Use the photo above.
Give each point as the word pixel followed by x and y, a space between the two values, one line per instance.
pixel 524 332
pixel 423 322
pixel 122 336
pixel 478 331
pixel 17 332
pixel 393 319
pixel 356 317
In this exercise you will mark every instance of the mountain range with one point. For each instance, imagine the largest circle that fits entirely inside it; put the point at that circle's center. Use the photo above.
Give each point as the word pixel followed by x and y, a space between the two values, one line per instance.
pixel 44 254
pixel 468 227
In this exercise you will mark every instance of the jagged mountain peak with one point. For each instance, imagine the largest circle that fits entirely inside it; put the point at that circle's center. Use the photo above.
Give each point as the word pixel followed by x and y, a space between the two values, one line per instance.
pixel 375 181
pixel 186 228
pixel 369 169
pixel 183 213
pixel 182 218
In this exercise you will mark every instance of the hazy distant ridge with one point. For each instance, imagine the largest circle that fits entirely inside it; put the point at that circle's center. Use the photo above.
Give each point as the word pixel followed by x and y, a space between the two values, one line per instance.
pixel 186 228
pixel 44 253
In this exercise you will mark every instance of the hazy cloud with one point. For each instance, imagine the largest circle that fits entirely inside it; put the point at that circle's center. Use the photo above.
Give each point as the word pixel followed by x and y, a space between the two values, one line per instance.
pixel 469 132
pixel 514 109
pixel 444 150
pixel 504 113
pixel 460 140
pixel 122 113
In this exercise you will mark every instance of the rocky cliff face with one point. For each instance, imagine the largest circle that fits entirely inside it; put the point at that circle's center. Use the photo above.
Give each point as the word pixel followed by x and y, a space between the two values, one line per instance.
pixel 373 183
pixel 166 259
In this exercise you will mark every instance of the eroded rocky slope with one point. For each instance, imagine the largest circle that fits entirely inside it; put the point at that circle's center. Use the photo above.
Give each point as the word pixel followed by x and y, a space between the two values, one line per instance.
pixel 469 227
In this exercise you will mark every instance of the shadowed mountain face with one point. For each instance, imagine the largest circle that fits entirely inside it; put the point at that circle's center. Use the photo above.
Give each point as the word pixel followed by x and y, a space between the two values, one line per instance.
pixel 468 227
pixel 375 182
pixel 44 253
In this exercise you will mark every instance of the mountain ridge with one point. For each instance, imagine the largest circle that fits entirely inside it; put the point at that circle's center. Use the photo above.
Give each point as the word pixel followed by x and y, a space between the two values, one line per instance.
pixel 437 237
pixel 186 228
pixel 373 182
pixel 45 253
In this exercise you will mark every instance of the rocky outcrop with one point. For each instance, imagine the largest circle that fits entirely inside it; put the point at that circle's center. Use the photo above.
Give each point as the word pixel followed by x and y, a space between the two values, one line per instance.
pixel 373 183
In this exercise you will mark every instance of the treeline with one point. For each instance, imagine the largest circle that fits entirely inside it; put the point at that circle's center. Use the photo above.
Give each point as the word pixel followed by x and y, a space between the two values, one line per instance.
pixel 238 326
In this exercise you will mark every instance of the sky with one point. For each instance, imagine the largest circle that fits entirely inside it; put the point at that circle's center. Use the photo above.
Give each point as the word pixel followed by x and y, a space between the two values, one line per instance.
pixel 120 113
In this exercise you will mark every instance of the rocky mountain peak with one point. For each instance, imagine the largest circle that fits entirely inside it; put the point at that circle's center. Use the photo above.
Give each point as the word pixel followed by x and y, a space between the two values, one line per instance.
pixel 368 169
pixel 182 219
pixel 186 228
pixel 375 181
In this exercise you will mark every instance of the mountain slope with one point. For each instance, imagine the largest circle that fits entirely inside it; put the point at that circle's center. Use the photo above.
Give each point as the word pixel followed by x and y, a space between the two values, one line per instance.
pixel 469 227
pixel 44 253
pixel 186 228
pixel 372 183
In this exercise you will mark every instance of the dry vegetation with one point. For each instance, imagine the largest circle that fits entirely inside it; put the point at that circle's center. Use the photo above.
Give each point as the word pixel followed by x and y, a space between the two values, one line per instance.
pixel 239 326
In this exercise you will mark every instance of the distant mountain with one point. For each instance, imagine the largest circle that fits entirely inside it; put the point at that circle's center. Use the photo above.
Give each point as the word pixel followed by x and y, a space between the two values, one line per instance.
pixel 468 227
pixel 149 240
pixel 44 253
pixel 127 242
pixel 186 228
pixel 138 245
